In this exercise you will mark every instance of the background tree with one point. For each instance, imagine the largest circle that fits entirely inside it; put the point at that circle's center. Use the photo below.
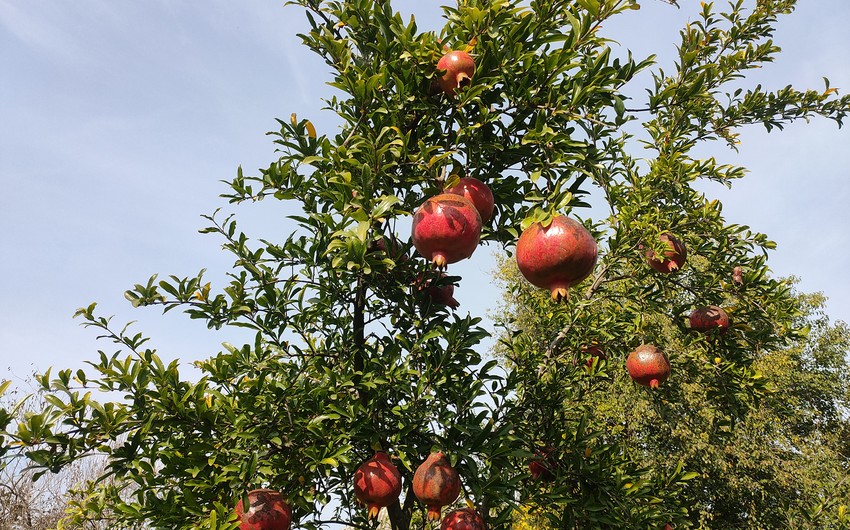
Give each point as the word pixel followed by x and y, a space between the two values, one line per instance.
pixel 350 357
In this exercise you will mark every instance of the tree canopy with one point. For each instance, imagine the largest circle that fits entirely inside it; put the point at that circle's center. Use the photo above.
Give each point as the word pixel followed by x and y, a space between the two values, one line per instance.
pixel 354 352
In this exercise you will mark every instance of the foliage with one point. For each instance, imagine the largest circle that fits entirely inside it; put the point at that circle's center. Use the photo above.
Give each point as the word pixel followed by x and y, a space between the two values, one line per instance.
pixel 348 357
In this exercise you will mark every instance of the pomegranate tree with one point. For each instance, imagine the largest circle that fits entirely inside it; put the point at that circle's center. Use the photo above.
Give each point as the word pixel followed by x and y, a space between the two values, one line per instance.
pixel 267 510
pixel 557 256
pixel 707 318
pixel 377 483
pixel 446 229
pixel 672 259
pixel 648 366
pixel 478 193
pixel 463 519
pixel 459 67
pixel 436 484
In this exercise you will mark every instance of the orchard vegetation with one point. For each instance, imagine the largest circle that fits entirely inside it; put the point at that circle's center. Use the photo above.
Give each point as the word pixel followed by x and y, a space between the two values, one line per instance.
pixel 359 349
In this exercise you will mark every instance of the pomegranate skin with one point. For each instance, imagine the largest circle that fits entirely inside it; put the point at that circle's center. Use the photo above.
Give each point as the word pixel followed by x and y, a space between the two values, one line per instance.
pixel 267 510
pixel 672 260
pixel 463 519
pixel 478 193
pixel 446 229
pixel 704 319
pixel 648 366
pixel 436 484
pixel 459 68
pixel 377 483
pixel 556 257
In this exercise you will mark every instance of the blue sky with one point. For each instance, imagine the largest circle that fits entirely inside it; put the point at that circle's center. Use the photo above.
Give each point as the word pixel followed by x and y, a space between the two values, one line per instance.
pixel 119 118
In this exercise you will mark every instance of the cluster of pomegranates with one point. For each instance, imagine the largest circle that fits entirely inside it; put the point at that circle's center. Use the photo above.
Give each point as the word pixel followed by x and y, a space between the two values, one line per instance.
pixel 377 484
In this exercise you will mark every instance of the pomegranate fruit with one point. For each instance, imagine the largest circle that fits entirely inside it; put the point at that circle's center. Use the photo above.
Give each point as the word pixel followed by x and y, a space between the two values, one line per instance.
pixel 648 366
pixel 672 260
pixel 542 464
pixel 436 484
pixel 704 319
pixel 738 276
pixel 377 483
pixel 389 246
pixel 446 229
pixel 478 193
pixel 593 351
pixel 557 256
pixel 267 510
pixel 463 519
pixel 436 294
pixel 458 67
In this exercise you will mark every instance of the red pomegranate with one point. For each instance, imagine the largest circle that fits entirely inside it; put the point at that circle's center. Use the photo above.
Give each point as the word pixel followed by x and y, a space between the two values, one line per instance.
pixel 478 193
pixel 446 229
pixel 459 67
pixel 707 318
pixel 436 294
pixel 463 519
pixel 593 351
pixel 648 366
pixel 267 510
pixel 673 259
pixel 436 484
pixel 377 483
pixel 556 257
pixel 542 464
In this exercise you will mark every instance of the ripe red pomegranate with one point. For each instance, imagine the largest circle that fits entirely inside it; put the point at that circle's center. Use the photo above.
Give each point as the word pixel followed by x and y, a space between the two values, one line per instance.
pixel 436 484
pixel 672 260
pixel 648 366
pixel 668 526
pixel 556 257
pixel 446 229
pixel 478 193
pixel 436 294
pixel 459 68
pixel 463 519
pixel 593 351
pixel 267 510
pixel 707 318
pixel 542 464
pixel 377 483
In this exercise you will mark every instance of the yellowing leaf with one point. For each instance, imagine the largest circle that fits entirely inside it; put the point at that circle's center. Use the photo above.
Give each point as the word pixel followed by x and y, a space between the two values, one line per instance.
pixel 471 44
pixel 293 119
pixel 311 131
pixel 469 504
